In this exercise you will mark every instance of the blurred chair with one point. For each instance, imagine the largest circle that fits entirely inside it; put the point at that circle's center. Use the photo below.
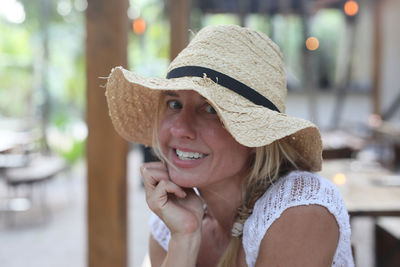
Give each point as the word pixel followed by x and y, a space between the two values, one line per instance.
pixel 387 242
pixel 32 177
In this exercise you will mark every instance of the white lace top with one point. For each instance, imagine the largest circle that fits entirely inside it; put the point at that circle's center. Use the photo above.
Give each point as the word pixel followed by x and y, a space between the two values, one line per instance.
pixel 296 188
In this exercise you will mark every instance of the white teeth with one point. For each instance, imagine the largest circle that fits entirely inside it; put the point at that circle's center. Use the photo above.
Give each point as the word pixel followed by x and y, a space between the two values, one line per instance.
pixel 189 155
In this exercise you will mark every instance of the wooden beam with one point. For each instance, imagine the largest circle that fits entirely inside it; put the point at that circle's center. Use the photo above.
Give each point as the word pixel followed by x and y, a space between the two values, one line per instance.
pixel 377 55
pixel 106 46
pixel 308 63
pixel 179 24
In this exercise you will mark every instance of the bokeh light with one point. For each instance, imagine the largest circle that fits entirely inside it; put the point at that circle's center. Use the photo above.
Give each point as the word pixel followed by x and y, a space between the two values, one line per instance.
pixel 13 11
pixel 81 5
pixel 374 120
pixel 64 7
pixel 139 26
pixel 351 8
pixel 339 179
pixel 133 12
pixel 312 43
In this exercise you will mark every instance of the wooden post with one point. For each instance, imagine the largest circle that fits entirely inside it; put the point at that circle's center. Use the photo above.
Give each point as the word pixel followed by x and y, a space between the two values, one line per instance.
pixel 341 90
pixel 106 46
pixel 179 24
pixel 243 6
pixel 377 54
pixel 308 63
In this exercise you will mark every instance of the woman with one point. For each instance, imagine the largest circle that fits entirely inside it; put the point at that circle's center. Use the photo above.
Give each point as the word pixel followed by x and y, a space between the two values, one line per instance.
pixel 218 124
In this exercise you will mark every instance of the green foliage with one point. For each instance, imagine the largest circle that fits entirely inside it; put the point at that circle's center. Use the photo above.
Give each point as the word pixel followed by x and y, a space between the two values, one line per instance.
pixel 327 27
pixel 67 74
pixel 260 22
pixel 67 135
pixel 17 41
pixel 75 152
pixel 15 69
pixel 218 19
pixel 148 54
pixel 30 80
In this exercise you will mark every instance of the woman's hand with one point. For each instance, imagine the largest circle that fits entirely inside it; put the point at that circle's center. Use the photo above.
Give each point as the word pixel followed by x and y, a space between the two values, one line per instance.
pixel 180 209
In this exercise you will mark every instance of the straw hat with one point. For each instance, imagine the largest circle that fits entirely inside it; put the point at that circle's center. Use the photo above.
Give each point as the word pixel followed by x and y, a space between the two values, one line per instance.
pixel 239 71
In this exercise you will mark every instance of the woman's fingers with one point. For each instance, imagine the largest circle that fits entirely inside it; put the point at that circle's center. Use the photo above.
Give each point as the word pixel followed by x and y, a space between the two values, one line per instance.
pixel 162 194
pixel 152 177
pixel 158 185
pixel 153 173
pixel 180 209
pixel 155 165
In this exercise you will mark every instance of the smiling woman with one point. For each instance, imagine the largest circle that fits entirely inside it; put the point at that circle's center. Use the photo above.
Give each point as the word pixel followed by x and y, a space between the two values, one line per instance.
pixel 217 123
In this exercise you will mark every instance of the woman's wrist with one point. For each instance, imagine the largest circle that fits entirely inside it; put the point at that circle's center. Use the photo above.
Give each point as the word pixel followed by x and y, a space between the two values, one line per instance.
pixel 183 249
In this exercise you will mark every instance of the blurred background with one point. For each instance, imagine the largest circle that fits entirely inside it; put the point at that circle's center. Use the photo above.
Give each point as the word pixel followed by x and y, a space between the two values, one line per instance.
pixel 70 190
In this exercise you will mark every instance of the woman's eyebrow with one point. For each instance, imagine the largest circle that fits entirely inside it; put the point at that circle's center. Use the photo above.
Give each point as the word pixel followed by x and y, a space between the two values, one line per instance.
pixel 170 93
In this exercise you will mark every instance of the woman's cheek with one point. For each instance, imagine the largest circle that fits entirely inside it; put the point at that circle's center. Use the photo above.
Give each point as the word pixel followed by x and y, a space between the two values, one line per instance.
pixel 163 134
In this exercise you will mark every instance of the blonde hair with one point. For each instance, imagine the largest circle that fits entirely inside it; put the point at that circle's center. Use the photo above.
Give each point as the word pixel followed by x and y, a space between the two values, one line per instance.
pixel 267 164
pixel 155 141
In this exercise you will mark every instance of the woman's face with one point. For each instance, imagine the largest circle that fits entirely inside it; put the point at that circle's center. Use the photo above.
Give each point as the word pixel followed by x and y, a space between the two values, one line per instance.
pixel 194 140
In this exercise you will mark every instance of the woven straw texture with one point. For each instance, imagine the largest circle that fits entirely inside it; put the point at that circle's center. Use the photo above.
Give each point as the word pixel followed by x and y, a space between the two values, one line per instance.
pixel 245 55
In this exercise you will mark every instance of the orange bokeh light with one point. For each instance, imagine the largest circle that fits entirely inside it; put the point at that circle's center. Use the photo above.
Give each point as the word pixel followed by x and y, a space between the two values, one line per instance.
pixel 139 26
pixel 351 8
pixel 312 43
pixel 339 179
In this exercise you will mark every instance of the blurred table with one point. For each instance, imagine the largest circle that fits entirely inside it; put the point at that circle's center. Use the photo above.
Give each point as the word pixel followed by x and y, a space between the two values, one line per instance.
pixel 367 188
pixel 388 130
pixel 389 133
pixel 39 169
pixel 10 140
pixel 340 144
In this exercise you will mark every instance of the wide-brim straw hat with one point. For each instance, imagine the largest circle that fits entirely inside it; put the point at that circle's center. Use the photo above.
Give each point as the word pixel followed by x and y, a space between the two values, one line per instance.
pixel 239 71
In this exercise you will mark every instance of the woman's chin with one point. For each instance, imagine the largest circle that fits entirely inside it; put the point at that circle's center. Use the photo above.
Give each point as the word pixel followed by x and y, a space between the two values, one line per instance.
pixel 182 180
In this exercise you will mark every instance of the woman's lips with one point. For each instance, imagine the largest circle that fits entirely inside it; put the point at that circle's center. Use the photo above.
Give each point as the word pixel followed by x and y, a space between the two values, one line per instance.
pixel 185 158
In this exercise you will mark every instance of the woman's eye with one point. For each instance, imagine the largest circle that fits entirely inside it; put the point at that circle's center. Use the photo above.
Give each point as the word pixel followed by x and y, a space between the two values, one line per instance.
pixel 210 109
pixel 173 104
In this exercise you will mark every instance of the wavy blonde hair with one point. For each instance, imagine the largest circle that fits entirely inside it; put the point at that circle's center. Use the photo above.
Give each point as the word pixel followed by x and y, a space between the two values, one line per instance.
pixel 266 165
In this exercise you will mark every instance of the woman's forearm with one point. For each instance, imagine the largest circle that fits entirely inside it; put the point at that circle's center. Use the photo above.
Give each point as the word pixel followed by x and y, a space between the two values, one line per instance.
pixel 183 250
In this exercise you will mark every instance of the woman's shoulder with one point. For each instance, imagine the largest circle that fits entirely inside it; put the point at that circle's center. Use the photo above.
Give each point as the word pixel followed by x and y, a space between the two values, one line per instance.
pixel 297 188
pixel 300 187
pixel 301 180
pixel 294 189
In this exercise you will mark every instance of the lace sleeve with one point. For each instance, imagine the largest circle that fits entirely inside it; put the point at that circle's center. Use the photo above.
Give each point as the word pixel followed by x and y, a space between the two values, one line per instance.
pixel 295 189
pixel 159 231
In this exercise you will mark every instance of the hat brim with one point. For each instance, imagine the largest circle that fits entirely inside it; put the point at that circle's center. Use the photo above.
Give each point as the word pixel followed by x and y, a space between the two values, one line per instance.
pixel 133 100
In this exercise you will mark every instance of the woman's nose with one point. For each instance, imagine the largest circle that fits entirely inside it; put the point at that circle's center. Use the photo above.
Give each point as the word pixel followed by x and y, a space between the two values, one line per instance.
pixel 183 126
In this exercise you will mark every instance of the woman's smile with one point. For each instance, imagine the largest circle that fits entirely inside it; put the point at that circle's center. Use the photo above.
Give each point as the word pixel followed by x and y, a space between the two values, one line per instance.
pixel 183 155
pixel 183 158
